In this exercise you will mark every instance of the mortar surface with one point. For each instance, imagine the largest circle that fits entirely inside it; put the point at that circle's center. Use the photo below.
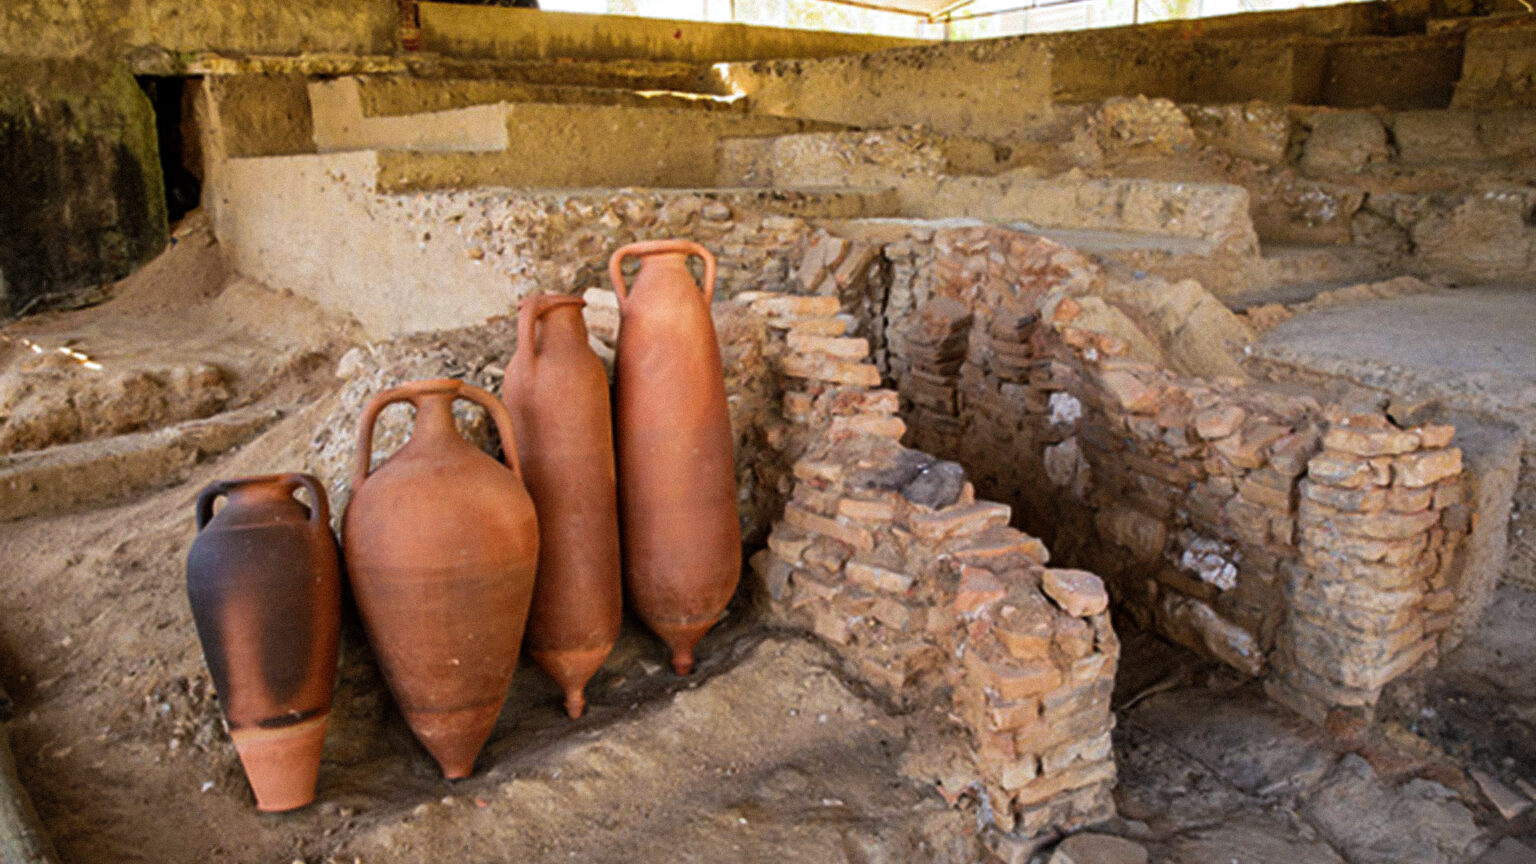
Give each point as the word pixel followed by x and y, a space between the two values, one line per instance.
pixel 1471 348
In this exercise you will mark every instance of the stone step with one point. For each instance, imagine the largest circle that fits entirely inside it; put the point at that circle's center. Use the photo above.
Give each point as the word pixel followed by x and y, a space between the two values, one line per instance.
pixel 619 74
pixel 555 145
pixel 93 473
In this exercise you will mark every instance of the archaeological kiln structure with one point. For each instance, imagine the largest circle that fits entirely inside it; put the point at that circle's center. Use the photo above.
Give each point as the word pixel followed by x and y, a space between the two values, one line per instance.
pixel 1211 332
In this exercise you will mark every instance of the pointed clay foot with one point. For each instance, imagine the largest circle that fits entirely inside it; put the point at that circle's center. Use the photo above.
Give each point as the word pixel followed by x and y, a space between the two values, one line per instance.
pixel 282 764
pixel 572 669
pixel 454 738
pixel 682 638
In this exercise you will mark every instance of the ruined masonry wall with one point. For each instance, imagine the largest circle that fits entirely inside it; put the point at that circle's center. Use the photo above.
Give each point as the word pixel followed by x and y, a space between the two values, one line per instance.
pixel 1211 508
pixel 928 594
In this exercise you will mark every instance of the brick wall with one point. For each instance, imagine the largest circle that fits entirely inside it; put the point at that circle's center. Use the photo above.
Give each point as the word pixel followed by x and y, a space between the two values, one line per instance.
pixel 931 598
pixel 1200 502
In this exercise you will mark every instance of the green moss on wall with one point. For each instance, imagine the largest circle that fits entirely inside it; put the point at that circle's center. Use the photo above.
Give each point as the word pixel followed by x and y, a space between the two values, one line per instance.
pixel 84 200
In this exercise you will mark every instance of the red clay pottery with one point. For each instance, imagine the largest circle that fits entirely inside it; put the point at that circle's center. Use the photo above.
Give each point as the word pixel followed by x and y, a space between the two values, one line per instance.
pixel 677 476
pixel 557 392
pixel 441 546
pixel 265 584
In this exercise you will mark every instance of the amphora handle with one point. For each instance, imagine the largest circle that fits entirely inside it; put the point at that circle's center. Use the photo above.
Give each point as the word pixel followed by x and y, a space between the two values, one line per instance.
pixel 319 513
pixel 652 247
pixel 530 310
pixel 413 392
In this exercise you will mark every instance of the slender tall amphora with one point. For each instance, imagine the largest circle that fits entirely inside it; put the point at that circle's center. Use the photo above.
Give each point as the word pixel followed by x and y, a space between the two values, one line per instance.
pixel 264 581
pixel 557 392
pixel 441 546
pixel 677 476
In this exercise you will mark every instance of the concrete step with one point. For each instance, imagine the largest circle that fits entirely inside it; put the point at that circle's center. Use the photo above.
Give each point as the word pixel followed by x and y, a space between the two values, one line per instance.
pixel 93 473
pixel 355 97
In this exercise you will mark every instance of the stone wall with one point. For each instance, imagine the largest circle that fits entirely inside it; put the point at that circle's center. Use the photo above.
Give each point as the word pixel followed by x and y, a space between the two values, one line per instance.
pixel 931 598
pixel 462 30
pixel 322 226
pixel 1498 68
pixel 110 29
pixel 83 166
pixel 1200 501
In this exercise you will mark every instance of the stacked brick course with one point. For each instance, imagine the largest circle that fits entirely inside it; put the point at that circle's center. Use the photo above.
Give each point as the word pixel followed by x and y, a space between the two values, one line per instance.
pixel 932 599
pixel 1382 517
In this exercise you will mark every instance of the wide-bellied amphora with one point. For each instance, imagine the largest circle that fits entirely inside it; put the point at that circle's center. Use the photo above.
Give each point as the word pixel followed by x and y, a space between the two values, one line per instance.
pixel 441 544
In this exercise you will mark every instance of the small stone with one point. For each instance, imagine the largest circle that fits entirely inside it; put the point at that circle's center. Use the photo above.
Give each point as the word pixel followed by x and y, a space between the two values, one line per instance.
pixel 844 347
pixel 978 589
pixel 961 520
pixel 877 578
pixel 1078 592
pixel 1436 436
pixel 868 424
pixel 1426 467
pixel 1369 499
pixel 1015 681
pixel 1370 442
pixel 1098 849
pixel 1509 851
pixel 820 368
pixel 1018 773
pixel 1404 499
pixel 1507 801
pixel 869 512
pixel 937 485
pixel 1129 392
pixel 810 326
pixel 787 306
pixel 797 405
pixel 1220 421
pixel 805 520
pixel 1343 470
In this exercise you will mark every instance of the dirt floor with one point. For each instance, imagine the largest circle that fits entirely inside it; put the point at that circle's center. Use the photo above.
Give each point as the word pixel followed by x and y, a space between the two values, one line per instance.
pixel 769 753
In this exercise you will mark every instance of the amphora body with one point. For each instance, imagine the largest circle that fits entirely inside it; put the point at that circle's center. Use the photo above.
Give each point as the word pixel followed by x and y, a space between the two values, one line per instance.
pixel 441 545
pixel 557 392
pixel 677 478
pixel 264 581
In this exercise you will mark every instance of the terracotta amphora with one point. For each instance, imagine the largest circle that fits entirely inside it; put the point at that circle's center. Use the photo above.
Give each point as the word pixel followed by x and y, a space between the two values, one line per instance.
pixel 264 580
pixel 677 476
pixel 441 544
pixel 557 392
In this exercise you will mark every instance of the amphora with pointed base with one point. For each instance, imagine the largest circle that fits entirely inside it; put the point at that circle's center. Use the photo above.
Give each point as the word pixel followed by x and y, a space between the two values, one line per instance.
pixel 264 581
pixel 441 544
pixel 557 392
pixel 677 474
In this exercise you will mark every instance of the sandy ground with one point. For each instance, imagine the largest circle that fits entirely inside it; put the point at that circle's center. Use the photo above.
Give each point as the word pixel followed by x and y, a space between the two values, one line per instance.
pixel 767 754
